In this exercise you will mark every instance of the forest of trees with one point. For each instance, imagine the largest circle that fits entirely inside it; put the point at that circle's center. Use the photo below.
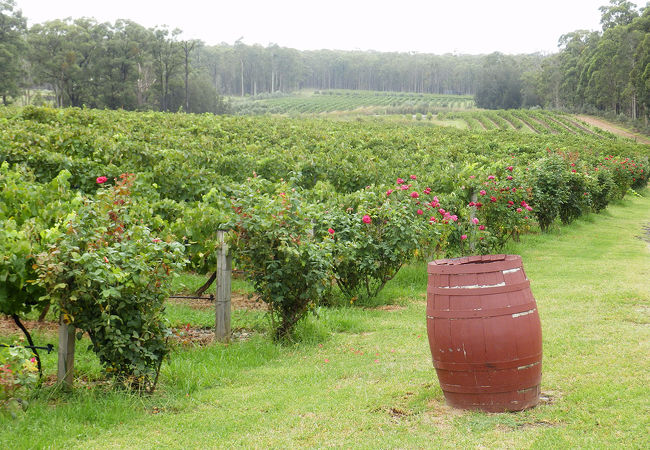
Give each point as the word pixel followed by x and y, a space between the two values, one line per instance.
pixel 125 65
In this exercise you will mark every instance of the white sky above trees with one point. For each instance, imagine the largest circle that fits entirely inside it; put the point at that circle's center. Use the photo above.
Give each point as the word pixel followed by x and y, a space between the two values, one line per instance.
pixel 426 26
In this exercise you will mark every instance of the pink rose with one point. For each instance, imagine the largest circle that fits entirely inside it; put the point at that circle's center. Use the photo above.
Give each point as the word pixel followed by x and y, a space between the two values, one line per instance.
pixel 388 192
pixel 475 220
pixel 519 210
pixel 400 181
pixel 463 237
pixel 101 180
pixel 481 227
pixel 420 212
pixel 482 192
pixel 509 177
pixel 491 177
pixel 366 219
pixel 493 199
pixel 413 177
pixel 510 168
pixel 414 194
pixel 330 230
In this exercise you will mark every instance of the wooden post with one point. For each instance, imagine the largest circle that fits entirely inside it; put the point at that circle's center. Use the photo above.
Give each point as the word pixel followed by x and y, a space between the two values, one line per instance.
pixel 65 373
pixel 222 302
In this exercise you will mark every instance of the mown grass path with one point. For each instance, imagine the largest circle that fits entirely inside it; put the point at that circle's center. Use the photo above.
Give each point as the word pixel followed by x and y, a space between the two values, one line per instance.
pixel 363 378
pixel 615 129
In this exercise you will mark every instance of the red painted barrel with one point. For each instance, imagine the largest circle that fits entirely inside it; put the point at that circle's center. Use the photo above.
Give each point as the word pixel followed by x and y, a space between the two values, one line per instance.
pixel 484 333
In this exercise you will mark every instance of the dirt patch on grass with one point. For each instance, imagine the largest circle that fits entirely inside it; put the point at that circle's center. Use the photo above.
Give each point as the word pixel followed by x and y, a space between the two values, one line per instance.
pixel 645 233
pixel 528 425
pixel 549 397
pixel 389 307
pixel 608 126
pixel 538 424
pixel 200 337
pixel 237 301
pixel 440 414
pixel 8 326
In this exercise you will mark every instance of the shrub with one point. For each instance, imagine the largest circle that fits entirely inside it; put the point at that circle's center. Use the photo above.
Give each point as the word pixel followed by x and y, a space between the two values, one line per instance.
pixel 110 276
pixel 28 212
pixel 376 233
pixel 17 373
pixel 273 241
pixel 549 189
pixel 601 190
pixel 577 201
pixel 501 206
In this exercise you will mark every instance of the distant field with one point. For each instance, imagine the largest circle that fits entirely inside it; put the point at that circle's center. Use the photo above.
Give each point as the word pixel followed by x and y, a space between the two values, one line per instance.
pixel 526 121
pixel 457 111
pixel 369 102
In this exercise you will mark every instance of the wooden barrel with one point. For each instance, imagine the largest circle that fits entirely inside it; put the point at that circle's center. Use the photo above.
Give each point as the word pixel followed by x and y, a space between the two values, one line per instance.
pixel 484 333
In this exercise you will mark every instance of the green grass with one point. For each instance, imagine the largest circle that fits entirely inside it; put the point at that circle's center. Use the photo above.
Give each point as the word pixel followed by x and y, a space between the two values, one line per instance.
pixel 362 376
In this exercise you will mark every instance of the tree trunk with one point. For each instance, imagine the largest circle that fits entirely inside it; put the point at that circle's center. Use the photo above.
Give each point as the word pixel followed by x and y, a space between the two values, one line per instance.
pixel 187 84
pixel 242 77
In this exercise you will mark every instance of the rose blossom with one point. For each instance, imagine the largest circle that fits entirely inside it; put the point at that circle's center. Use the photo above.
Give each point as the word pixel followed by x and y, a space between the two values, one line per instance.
pixel 366 219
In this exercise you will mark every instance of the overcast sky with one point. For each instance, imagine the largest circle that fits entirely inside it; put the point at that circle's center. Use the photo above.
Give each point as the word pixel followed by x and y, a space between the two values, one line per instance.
pixel 431 26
